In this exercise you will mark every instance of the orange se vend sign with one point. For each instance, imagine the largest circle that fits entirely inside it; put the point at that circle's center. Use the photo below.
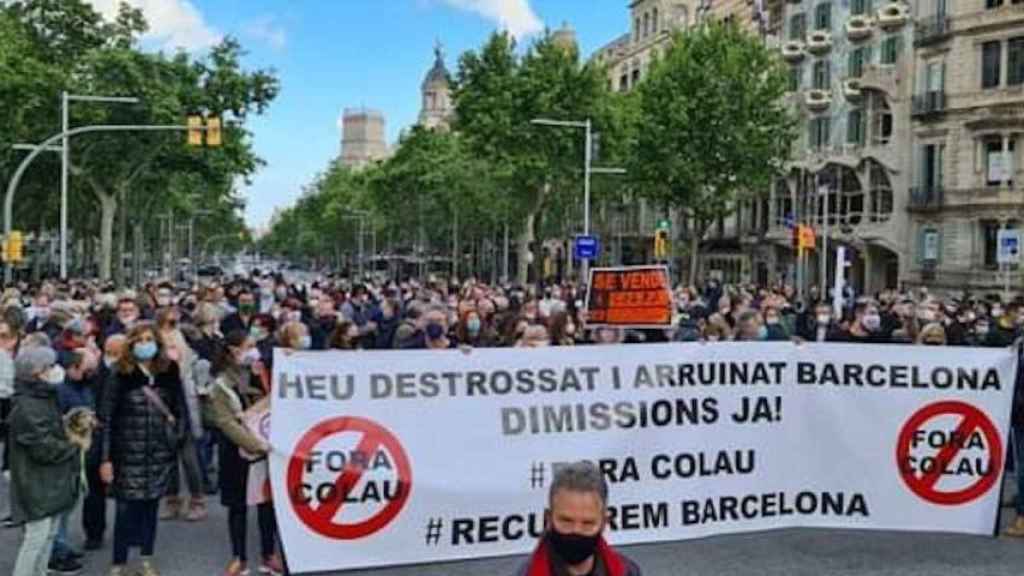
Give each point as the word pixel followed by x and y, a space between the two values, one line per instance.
pixel 635 297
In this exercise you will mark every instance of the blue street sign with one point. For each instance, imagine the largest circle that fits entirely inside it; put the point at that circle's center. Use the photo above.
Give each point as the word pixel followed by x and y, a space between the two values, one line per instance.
pixel 789 221
pixel 586 247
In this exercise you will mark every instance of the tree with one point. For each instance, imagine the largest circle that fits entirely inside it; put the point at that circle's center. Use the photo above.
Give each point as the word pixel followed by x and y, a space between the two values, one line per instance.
pixel 497 94
pixel 713 127
pixel 56 45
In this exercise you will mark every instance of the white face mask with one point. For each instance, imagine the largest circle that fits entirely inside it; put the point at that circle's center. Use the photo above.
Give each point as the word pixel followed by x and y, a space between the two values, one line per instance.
pixel 109 361
pixel 250 357
pixel 54 376
pixel 824 319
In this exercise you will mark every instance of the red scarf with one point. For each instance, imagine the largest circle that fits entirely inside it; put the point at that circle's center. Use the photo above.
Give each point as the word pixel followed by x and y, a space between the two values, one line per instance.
pixel 540 562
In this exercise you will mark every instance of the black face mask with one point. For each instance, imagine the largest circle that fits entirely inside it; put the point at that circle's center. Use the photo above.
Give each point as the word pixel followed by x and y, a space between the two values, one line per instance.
pixel 573 548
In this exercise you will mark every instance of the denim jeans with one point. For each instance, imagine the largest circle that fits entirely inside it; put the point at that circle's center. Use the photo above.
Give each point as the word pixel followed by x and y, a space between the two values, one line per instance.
pixel 188 456
pixel 34 554
pixel 61 545
pixel 134 524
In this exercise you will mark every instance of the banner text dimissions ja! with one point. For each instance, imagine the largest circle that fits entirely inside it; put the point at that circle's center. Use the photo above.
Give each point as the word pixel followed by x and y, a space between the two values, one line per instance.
pixel 572 380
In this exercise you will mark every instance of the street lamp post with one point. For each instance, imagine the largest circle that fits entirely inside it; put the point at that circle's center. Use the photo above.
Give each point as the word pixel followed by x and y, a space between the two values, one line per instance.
pixel 588 169
pixel 65 162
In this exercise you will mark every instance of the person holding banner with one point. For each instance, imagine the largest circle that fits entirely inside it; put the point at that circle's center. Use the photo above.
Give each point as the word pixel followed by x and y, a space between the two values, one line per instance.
pixel 235 390
pixel 573 543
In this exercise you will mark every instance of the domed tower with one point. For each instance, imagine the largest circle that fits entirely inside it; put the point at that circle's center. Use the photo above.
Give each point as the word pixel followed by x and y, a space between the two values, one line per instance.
pixel 565 37
pixel 436 89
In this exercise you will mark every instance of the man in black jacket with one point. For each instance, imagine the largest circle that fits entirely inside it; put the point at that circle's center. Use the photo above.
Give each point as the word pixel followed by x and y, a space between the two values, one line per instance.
pixel 572 544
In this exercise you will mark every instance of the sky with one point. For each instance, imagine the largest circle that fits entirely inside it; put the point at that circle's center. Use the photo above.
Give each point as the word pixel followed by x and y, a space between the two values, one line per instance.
pixel 336 54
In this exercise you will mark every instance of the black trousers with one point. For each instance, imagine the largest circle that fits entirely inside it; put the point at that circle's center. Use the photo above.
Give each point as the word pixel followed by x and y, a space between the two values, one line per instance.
pixel 135 524
pixel 238 521
pixel 5 411
pixel 94 506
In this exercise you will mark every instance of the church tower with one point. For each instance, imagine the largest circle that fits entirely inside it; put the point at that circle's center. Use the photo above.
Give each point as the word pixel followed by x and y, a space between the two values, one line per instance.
pixel 436 89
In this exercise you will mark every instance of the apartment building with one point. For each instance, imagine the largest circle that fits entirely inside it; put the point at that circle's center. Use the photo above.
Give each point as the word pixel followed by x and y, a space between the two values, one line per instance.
pixel 968 115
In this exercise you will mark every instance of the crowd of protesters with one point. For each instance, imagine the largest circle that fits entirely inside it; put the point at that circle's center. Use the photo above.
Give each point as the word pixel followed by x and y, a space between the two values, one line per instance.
pixel 168 371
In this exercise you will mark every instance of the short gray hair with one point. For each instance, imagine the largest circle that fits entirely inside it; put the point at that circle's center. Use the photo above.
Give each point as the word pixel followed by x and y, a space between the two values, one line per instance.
pixel 582 476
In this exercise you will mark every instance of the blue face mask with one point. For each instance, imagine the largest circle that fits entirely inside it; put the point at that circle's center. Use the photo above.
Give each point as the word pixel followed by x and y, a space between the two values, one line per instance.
pixel 305 343
pixel 762 333
pixel 144 351
pixel 473 325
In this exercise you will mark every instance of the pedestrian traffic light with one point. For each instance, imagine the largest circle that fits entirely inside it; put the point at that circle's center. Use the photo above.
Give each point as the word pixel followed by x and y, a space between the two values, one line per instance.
pixel 195 130
pixel 661 247
pixel 213 134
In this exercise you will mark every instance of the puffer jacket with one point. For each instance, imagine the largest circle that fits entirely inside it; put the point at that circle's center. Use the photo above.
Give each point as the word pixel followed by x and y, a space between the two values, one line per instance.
pixel 45 466
pixel 136 440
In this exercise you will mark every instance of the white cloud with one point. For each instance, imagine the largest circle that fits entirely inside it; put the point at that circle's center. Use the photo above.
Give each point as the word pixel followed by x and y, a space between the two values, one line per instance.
pixel 265 30
pixel 516 16
pixel 172 23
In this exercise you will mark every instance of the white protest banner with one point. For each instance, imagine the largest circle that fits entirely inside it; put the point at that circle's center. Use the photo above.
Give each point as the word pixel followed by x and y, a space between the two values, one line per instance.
pixel 386 458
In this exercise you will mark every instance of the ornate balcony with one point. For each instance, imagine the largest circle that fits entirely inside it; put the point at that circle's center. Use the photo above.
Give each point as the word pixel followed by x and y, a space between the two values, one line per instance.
pixel 819 42
pixel 929 104
pixel 925 199
pixel 852 90
pixel 817 100
pixel 793 51
pixel 858 28
pixel 893 15
pixel 932 30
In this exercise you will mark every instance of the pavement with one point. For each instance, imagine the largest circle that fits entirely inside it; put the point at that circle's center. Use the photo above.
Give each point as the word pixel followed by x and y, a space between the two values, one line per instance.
pixel 201 549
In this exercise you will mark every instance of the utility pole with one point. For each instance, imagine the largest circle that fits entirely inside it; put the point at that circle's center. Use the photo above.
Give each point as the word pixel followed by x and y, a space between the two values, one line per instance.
pixel 588 169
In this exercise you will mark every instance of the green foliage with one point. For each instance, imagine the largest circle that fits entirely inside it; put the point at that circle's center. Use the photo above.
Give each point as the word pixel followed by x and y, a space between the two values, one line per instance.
pixel 712 124
pixel 47 46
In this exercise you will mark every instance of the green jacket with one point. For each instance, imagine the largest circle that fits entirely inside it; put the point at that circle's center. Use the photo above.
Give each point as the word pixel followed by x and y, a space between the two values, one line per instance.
pixel 45 466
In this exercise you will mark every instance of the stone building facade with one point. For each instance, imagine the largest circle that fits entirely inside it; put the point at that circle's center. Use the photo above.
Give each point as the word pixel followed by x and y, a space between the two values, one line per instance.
pixel 363 137
pixel 968 118
pixel 437 108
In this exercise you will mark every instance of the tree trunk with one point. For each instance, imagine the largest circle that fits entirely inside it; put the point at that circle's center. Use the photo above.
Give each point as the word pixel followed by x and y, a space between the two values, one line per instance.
pixel 108 209
pixel 694 257
pixel 523 253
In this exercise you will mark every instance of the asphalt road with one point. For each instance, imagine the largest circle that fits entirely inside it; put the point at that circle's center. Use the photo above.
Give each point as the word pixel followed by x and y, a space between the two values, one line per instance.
pixel 202 550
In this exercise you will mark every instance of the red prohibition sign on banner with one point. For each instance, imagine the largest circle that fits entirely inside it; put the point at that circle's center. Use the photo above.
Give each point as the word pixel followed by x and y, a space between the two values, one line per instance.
pixel 321 520
pixel 973 420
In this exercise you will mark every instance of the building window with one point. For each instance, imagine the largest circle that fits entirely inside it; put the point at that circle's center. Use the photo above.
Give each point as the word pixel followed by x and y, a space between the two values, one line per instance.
pixel 797 26
pixel 880 116
pixel 820 132
pixel 624 82
pixel 858 58
pixel 636 77
pixel 891 49
pixel 795 74
pixel 1015 62
pixel 929 245
pixel 654 20
pixel 989 4
pixel 855 127
pixel 822 75
pixel 998 162
pixel 860 7
pixel 636 30
pixel 991 60
pixel 881 192
pixel 990 239
pixel 823 16
pixel 931 167
pixel 647 24
pixel 783 203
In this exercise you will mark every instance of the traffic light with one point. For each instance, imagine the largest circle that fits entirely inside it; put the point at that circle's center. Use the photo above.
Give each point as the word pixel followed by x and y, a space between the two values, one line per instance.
pixel 661 247
pixel 14 247
pixel 213 134
pixel 195 130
